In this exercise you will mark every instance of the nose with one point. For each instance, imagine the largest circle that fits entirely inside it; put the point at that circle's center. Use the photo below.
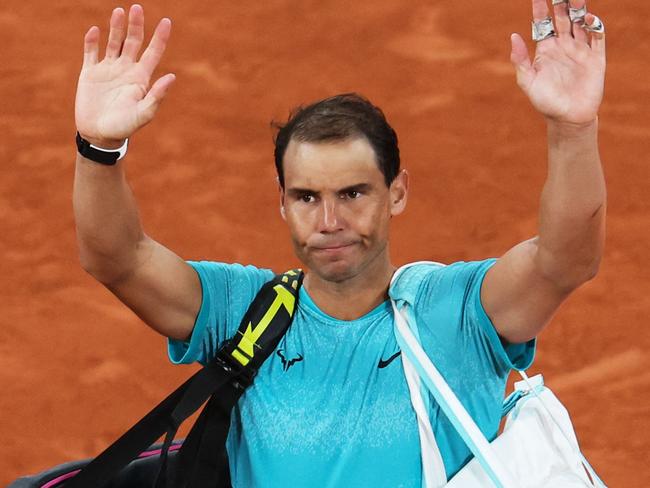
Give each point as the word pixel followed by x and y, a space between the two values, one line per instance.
pixel 330 218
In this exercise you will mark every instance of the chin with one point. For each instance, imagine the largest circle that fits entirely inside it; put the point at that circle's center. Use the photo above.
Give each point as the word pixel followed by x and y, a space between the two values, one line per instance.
pixel 334 271
pixel 334 276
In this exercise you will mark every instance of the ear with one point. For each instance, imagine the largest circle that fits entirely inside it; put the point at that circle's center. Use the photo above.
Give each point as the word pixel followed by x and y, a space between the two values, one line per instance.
pixel 282 212
pixel 398 192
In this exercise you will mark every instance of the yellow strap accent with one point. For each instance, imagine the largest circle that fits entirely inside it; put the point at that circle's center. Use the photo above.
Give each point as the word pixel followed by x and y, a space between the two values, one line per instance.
pixel 240 357
pixel 247 343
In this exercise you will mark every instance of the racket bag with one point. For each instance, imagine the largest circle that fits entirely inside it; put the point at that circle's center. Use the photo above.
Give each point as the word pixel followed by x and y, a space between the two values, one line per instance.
pixel 200 461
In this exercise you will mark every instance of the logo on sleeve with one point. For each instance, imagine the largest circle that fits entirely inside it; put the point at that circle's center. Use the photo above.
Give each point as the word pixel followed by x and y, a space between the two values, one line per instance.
pixel 287 363
pixel 383 363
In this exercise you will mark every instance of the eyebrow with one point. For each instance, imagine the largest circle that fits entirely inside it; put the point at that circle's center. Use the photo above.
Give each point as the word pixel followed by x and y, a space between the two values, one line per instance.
pixel 297 192
pixel 360 187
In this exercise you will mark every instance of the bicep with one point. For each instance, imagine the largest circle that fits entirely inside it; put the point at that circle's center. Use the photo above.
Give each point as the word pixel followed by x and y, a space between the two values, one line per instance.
pixel 162 289
pixel 517 297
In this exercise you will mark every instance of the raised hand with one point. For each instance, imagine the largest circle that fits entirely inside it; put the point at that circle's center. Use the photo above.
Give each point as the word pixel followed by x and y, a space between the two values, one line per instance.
pixel 114 96
pixel 565 80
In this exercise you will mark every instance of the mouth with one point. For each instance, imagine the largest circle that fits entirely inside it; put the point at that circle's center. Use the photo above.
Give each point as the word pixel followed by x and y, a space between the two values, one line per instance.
pixel 332 248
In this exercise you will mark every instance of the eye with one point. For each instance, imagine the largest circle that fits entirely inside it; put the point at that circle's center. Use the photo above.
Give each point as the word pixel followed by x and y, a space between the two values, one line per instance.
pixel 306 198
pixel 352 194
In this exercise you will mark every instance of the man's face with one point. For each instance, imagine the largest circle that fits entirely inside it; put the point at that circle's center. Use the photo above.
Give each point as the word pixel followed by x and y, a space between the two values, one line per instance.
pixel 338 207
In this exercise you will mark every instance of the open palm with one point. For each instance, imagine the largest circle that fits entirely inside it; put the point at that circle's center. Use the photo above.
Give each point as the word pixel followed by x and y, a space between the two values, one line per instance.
pixel 565 81
pixel 114 95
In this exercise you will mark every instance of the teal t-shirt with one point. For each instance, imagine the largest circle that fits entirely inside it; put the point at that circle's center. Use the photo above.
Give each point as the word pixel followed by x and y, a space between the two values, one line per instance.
pixel 331 407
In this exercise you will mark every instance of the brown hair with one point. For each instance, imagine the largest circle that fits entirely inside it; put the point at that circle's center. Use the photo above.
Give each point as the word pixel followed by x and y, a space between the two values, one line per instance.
pixel 336 118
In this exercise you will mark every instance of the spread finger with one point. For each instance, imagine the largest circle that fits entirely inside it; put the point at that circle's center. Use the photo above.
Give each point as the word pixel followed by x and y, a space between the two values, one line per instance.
pixel 115 34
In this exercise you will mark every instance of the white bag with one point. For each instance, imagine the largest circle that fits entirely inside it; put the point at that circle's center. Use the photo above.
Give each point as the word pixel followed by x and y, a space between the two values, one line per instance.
pixel 540 445
pixel 537 449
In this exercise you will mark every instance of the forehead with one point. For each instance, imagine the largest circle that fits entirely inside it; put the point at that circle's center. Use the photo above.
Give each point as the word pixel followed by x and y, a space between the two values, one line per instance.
pixel 331 164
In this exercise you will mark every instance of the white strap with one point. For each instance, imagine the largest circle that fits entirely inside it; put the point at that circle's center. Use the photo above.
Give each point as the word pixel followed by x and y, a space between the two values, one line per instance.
pixel 433 467
pixel 450 404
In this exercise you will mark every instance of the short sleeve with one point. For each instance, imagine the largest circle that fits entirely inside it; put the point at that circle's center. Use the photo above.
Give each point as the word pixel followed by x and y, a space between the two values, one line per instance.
pixel 513 356
pixel 449 300
pixel 227 292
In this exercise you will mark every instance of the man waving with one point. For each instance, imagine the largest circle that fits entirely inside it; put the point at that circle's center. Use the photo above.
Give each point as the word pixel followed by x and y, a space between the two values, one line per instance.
pixel 331 407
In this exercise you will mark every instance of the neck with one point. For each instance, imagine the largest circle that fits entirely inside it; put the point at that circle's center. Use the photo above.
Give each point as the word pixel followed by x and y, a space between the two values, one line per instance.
pixel 354 297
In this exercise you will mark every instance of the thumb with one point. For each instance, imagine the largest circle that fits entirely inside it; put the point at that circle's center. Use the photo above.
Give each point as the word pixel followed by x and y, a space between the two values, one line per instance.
pixel 521 61
pixel 149 104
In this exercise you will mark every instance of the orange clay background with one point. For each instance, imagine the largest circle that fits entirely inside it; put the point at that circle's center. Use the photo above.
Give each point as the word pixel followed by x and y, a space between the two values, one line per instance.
pixel 77 368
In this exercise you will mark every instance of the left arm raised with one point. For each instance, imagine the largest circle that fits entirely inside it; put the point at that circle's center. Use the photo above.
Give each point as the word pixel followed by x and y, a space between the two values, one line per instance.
pixel 522 291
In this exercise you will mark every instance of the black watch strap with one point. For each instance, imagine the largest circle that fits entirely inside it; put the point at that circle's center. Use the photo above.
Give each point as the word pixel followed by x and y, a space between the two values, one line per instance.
pixel 99 155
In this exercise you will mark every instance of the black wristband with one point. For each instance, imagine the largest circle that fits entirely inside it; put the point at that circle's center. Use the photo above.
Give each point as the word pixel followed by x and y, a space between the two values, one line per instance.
pixel 99 155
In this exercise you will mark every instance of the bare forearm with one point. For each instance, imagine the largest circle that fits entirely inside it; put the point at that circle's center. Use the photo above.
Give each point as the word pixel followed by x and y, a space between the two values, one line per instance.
pixel 106 215
pixel 573 204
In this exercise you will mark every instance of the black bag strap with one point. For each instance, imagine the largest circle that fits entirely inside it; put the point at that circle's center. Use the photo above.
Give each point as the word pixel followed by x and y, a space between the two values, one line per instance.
pixel 202 461
pixel 231 372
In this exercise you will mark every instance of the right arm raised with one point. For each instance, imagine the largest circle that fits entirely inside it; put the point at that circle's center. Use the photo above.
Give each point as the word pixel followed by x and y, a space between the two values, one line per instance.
pixel 114 99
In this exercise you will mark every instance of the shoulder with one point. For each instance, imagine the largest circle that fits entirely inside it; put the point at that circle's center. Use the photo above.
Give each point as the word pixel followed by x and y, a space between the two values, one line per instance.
pixel 231 274
pixel 228 289
pixel 425 278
